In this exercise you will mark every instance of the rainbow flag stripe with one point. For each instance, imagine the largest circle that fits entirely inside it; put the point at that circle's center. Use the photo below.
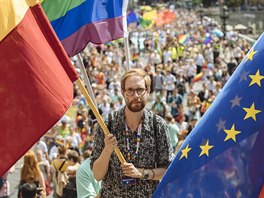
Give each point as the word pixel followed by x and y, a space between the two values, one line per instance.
pixel 183 38
pixel 77 22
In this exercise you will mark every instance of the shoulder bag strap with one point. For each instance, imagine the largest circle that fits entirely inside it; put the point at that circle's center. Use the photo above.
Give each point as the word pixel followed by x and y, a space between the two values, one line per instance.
pixel 62 165
pixel 155 132
pixel 109 124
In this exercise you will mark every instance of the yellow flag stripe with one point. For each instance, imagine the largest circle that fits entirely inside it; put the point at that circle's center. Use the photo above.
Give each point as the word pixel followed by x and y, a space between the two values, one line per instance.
pixel 152 15
pixel 11 13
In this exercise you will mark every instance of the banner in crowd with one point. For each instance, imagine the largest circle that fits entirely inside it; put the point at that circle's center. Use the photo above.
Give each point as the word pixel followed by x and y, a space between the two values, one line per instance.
pixel 77 22
pixel 223 155
pixel 36 78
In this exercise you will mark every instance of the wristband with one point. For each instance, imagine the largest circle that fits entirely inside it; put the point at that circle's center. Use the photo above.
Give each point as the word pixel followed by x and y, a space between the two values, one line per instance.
pixel 153 174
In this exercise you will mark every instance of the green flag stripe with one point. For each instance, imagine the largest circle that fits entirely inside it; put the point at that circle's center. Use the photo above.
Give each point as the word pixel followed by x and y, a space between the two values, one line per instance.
pixel 55 9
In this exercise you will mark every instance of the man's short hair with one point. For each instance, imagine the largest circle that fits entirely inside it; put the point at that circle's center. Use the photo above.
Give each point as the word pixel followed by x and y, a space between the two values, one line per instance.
pixel 136 72
pixel 28 190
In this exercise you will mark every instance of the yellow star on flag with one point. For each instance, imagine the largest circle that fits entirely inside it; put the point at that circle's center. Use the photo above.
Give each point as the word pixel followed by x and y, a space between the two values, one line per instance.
pixel 251 112
pixel 256 79
pixel 185 152
pixel 231 134
pixel 205 149
pixel 251 54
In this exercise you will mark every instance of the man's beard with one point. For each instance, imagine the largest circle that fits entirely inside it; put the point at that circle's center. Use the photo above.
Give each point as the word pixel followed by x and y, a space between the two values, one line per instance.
pixel 136 105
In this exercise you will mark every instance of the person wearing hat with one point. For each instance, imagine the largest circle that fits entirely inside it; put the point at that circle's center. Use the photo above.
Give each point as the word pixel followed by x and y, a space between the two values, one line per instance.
pixel 63 129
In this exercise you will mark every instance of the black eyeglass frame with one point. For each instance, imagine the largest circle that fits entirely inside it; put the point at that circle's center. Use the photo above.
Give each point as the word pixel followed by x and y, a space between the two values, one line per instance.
pixel 131 92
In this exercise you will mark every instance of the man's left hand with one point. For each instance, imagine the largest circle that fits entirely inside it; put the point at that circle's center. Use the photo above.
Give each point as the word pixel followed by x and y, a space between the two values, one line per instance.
pixel 131 171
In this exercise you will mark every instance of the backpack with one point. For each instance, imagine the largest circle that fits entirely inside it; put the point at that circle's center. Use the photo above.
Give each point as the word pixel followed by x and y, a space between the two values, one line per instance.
pixel 61 179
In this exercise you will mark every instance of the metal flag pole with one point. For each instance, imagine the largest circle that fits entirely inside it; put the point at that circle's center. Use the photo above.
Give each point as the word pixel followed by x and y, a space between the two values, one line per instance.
pixel 126 34
pixel 127 51
pixel 86 79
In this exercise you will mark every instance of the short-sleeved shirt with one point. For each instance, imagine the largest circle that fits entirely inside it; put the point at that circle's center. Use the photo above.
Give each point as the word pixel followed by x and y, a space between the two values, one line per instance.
pixel 87 186
pixel 155 148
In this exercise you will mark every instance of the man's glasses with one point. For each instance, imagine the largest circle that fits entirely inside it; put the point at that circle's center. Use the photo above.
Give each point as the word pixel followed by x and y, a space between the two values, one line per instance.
pixel 131 92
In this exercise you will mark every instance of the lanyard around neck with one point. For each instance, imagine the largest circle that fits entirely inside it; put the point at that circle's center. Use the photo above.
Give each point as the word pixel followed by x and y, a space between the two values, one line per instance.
pixel 139 129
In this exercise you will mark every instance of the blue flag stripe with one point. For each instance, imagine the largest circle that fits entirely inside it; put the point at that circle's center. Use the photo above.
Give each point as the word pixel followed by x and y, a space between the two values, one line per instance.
pixel 90 11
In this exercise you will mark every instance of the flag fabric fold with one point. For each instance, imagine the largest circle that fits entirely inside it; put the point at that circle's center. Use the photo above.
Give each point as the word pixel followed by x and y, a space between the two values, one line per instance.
pixel 223 155
pixel 36 79
pixel 77 22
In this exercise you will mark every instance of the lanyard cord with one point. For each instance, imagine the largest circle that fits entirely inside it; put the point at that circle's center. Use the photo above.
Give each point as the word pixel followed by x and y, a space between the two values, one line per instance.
pixel 128 141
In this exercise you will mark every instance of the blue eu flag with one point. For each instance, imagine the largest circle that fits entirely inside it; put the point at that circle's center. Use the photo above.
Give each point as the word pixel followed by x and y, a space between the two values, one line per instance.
pixel 224 154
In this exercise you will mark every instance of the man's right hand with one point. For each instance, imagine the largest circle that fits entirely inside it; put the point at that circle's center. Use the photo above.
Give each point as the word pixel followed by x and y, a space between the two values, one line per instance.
pixel 110 143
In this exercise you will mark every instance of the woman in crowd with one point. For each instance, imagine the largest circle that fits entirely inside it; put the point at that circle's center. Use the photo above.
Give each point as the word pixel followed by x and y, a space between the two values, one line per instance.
pixel 31 173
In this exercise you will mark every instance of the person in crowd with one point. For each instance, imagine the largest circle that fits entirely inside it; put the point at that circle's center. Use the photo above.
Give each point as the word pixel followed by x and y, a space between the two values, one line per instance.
pixel 159 81
pixel 120 103
pixel 41 145
pixel 105 106
pixel 63 129
pixel 193 103
pixel 44 166
pixel 170 81
pixel 74 140
pixel 86 184
pixel 59 140
pixel 31 173
pixel 59 167
pixel 199 60
pixel 174 101
pixel 173 130
pixel 5 184
pixel 69 190
pixel 28 190
pixel 183 126
pixel 141 136
pixel 159 107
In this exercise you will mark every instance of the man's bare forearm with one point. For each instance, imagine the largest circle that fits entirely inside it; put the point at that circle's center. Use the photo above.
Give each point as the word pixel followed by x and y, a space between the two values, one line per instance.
pixel 100 166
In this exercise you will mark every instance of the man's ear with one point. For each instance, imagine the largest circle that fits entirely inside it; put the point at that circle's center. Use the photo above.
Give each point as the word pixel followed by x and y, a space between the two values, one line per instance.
pixel 123 93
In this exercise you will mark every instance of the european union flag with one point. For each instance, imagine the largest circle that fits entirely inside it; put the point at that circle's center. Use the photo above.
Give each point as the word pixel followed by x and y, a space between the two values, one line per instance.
pixel 224 155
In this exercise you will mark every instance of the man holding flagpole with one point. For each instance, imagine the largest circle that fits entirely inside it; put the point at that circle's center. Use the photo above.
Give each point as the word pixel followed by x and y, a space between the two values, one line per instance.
pixel 142 138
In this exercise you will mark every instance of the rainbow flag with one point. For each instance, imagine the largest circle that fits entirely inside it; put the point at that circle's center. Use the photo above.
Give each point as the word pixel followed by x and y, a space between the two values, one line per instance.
pixel 77 22
pixel 207 39
pixel 36 78
pixel 198 77
pixel 183 38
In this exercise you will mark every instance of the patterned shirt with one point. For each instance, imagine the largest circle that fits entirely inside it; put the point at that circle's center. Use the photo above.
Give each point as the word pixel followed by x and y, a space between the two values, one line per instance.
pixel 154 152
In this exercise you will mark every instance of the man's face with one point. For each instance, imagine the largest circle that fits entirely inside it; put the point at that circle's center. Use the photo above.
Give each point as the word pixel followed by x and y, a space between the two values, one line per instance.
pixel 135 93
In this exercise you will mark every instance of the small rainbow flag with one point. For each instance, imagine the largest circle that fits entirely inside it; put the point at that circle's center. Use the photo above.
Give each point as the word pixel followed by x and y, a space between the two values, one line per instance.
pixel 198 77
pixel 183 38
pixel 207 40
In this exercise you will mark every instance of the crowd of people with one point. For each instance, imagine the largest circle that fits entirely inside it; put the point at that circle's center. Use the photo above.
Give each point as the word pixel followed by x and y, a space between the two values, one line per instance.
pixel 184 79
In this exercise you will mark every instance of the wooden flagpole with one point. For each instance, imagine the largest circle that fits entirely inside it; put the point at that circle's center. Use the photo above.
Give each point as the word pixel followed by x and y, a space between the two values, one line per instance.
pixel 98 117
